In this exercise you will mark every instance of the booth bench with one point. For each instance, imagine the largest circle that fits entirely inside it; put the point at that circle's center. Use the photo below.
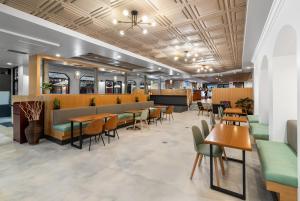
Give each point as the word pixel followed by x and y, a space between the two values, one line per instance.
pixel 279 164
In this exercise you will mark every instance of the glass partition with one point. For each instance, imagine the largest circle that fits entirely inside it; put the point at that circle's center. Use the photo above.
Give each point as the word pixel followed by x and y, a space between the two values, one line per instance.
pixel 109 86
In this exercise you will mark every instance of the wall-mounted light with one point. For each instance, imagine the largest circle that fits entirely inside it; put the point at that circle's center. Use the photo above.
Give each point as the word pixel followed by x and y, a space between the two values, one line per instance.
pixel 77 74
pixel 9 63
pixel 57 55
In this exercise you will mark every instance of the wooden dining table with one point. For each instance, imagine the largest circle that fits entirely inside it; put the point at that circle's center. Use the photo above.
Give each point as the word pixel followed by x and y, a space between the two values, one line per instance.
pixel 133 112
pixel 234 119
pixel 82 119
pixel 233 111
pixel 236 137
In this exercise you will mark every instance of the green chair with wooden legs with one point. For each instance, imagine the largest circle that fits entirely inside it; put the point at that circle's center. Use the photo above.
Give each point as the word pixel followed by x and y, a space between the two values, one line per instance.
pixel 204 150
pixel 205 131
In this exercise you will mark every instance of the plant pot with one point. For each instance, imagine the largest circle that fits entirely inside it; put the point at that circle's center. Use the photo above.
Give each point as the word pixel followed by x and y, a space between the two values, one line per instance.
pixel 33 132
pixel 46 91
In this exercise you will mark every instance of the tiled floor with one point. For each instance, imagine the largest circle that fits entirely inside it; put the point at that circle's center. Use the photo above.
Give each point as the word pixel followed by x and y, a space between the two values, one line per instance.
pixel 149 165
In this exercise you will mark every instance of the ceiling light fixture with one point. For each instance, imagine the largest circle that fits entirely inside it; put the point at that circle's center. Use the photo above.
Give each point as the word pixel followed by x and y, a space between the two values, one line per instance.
pixel 134 21
pixel 9 63
pixel 159 68
pixel 198 70
pixel 210 69
pixel 176 58
pixel 57 55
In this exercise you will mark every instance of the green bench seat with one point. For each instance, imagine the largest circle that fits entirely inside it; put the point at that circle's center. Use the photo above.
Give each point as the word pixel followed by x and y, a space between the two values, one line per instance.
pixel 66 127
pixel 259 131
pixel 125 116
pixel 279 162
pixel 253 118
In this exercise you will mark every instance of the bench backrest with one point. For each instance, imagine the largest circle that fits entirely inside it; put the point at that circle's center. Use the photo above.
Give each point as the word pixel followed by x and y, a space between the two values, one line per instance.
pixel 292 134
pixel 63 115
pixel 120 108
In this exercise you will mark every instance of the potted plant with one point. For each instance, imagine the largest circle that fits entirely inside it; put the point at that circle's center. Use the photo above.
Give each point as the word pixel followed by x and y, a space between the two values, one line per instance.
pixel 119 100
pixel 136 99
pixel 32 110
pixel 148 98
pixel 246 104
pixel 46 86
pixel 93 101
pixel 56 104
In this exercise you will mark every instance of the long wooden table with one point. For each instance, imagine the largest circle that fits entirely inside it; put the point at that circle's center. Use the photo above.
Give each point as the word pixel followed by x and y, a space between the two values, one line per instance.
pixel 236 137
pixel 234 119
pixel 82 119
pixel 234 111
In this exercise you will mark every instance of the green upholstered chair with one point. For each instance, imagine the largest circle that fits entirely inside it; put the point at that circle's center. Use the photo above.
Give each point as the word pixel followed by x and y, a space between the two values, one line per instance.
pixel 253 118
pixel 212 120
pixel 142 118
pixel 205 128
pixel 204 150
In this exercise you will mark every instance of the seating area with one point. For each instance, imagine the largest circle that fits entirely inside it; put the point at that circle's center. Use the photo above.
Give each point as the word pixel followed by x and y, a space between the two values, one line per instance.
pixel 149 100
pixel 279 164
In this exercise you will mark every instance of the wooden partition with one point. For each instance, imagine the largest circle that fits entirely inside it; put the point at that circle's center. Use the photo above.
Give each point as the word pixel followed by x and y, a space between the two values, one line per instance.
pixel 79 100
pixel 230 94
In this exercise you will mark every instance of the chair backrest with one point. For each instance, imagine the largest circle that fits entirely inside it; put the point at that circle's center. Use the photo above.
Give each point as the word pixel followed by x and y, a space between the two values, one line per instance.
pixel 212 119
pixel 197 136
pixel 292 134
pixel 95 127
pixel 112 123
pixel 200 106
pixel 144 115
pixel 227 104
pixel 170 109
pixel 220 112
pixel 157 113
pixel 205 128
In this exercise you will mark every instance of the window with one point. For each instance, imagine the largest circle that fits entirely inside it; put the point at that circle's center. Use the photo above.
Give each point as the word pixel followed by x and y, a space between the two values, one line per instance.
pixel 109 86
pixel 131 84
pixel 87 85
pixel 60 82
pixel 118 87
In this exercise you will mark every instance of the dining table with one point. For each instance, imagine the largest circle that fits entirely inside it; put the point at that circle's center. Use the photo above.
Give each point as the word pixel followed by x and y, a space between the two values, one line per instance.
pixel 81 120
pixel 233 111
pixel 134 112
pixel 235 137
pixel 234 119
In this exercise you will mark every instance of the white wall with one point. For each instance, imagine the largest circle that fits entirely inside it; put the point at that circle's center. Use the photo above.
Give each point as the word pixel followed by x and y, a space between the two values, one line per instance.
pixel 23 81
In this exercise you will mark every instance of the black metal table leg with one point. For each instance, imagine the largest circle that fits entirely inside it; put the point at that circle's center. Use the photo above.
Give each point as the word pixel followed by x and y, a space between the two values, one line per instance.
pixel 72 134
pixel 223 190
pixel 80 135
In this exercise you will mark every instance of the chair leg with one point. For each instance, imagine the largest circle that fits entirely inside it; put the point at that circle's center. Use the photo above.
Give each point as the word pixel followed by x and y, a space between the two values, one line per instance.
pixel 172 116
pixel 102 139
pixel 194 166
pixel 222 165
pixel 200 160
pixel 117 134
pixel 90 143
pixel 108 137
pixel 216 171
pixel 225 156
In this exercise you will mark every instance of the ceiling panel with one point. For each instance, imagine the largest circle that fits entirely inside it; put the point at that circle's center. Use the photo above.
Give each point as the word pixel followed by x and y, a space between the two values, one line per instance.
pixel 208 27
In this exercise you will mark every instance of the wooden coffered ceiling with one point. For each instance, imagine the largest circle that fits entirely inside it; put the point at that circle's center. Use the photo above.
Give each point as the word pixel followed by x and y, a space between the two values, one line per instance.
pixel 214 29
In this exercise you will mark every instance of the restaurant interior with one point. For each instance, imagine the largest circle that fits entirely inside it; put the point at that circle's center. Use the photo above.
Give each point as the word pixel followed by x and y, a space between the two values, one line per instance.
pixel 149 100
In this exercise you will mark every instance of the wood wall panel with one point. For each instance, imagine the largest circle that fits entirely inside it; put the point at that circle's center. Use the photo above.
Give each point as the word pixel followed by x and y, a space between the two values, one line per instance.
pixel 230 94
pixel 78 100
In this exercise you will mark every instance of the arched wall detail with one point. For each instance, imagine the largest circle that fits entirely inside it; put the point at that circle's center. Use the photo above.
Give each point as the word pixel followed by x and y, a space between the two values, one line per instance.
pixel 264 91
pixel 283 82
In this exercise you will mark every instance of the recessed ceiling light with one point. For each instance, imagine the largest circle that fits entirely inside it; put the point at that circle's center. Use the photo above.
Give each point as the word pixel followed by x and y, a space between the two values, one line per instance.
pixel 205 70
pixel 207 67
pixel 196 55
pixel 102 69
pixel 118 57
pixel 188 54
pixel 125 12
pixel 198 70
pixel 153 24
pixel 122 33
pixel 159 68
pixel 194 59
pixel 123 73
pixel 185 59
pixel 176 58
pixel 138 74
pixel 9 63
pixel 176 47
pixel 115 21
pixel 202 68
pixel 57 55
pixel 145 31
pixel 210 69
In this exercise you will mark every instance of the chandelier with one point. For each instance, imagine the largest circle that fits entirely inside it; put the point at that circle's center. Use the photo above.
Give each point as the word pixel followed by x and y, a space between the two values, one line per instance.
pixel 134 21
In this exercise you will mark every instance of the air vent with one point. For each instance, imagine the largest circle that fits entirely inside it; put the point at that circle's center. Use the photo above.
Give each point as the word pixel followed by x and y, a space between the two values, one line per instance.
pixel 17 52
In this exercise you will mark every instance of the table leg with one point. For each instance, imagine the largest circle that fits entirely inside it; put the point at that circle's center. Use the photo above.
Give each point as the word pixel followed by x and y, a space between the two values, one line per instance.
pixel 72 134
pixel 80 135
pixel 223 190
